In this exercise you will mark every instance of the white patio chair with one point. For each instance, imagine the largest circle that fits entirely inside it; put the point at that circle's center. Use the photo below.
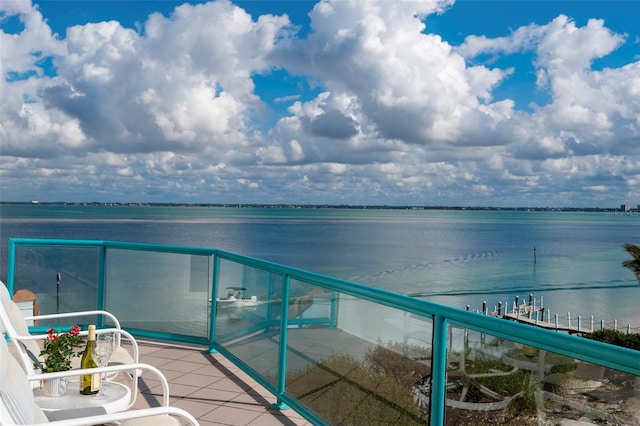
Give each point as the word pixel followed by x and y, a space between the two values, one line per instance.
pixel 14 325
pixel 18 406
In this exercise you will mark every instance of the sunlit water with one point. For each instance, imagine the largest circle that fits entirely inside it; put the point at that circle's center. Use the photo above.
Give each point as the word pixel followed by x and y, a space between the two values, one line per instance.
pixel 457 258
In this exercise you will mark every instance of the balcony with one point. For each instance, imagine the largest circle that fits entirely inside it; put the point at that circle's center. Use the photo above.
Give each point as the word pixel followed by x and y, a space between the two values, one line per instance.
pixel 329 351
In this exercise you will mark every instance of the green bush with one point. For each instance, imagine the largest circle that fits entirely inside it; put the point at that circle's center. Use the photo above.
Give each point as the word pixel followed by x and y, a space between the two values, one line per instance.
pixel 376 390
pixel 615 337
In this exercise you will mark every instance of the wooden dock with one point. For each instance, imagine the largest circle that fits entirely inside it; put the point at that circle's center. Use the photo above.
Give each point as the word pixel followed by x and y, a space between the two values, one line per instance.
pixel 533 312
pixel 545 324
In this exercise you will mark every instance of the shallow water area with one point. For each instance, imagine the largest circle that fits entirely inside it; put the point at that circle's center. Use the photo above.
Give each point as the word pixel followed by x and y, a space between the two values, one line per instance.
pixel 457 257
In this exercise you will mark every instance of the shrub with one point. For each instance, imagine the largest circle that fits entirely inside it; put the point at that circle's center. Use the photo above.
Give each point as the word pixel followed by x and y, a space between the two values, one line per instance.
pixel 375 390
pixel 615 337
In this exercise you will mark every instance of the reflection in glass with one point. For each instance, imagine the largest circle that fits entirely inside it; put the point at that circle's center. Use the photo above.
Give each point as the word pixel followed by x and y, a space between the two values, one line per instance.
pixel 63 278
pixel 164 292
pixel 246 297
pixel 496 381
pixel 367 369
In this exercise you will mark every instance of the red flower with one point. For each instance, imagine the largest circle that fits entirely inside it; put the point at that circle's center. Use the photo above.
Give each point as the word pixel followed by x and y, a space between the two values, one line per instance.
pixel 59 348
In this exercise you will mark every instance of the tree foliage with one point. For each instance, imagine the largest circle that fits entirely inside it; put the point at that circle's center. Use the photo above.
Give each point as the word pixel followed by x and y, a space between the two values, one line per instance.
pixel 633 264
pixel 615 337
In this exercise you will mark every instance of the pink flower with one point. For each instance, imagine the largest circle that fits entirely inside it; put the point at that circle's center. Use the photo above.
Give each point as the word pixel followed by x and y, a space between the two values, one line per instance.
pixel 75 330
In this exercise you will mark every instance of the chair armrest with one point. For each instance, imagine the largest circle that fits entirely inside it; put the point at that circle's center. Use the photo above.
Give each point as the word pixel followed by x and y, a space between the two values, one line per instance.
pixel 123 416
pixel 107 314
pixel 111 369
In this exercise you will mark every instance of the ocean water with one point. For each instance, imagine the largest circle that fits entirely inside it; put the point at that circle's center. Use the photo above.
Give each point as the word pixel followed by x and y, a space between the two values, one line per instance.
pixel 455 257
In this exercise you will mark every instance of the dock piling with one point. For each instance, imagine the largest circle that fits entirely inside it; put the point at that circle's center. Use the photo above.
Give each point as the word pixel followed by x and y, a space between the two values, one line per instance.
pixel 57 292
pixel 532 312
pixel 579 322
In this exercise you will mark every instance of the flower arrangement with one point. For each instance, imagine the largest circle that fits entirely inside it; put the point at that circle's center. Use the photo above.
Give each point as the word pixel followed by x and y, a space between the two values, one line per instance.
pixel 59 348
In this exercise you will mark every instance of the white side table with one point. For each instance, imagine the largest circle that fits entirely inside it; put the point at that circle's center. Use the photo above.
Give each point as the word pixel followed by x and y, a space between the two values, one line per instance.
pixel 117 398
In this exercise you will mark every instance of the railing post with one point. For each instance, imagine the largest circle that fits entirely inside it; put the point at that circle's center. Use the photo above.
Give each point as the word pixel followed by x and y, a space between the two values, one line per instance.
pixel 11 259
pixel 269 304
pixel 439 370
pixel 333 310
pixel 102 291
pixel 282 350
pixel 215 276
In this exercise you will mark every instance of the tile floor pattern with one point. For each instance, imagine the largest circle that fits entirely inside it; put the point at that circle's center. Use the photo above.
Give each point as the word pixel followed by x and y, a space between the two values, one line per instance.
pixel 210 387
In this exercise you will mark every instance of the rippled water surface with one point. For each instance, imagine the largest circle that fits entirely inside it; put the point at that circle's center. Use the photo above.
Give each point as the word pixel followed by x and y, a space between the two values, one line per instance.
pixel 456 257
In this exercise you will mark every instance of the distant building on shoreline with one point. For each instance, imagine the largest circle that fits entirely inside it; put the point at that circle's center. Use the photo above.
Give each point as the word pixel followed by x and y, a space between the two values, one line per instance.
pixel 627 208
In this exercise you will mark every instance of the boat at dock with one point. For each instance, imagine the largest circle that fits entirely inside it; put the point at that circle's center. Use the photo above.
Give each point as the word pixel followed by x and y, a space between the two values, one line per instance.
pixel 236 298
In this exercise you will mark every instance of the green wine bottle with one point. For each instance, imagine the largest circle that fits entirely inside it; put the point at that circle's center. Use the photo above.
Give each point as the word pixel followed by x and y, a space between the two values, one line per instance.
pixel 89 383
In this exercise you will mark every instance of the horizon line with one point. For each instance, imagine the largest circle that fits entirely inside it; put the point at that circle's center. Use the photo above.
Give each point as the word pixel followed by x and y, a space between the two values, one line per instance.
pixel 625 207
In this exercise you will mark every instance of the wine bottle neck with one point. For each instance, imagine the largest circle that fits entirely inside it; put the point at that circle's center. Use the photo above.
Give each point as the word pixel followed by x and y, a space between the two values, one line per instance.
pixel 92 333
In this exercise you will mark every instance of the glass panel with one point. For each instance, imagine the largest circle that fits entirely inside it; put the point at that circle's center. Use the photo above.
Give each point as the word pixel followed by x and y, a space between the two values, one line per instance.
pixel 308 305
pixel 37 270
pixel 496 381
pixel 164 292
pixel 364 366
pixel 246 298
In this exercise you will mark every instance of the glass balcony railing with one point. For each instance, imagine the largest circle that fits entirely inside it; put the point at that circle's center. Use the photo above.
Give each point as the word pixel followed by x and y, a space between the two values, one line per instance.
pixel 336 351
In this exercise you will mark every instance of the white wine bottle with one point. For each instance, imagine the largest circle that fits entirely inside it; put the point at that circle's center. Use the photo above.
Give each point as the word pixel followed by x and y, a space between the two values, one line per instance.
pixel 89 383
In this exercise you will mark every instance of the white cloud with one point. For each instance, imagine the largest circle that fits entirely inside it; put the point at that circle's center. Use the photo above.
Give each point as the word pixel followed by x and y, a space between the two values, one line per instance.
pixel 588 106
pixel 409 84
pixel 182 85
pixel 401 116
pixel 20 53
pixel 566 48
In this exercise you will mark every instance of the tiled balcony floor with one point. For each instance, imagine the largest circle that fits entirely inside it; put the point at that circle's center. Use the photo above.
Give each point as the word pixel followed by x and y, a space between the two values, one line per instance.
pixel 210 387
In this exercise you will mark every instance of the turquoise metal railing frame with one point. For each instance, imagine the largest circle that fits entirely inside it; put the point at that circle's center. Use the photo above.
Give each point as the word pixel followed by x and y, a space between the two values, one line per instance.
pixel 214 285
pixel 618 358
pixel 282 353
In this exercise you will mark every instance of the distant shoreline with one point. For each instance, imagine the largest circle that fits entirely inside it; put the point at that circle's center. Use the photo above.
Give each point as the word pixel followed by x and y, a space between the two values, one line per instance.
pixel 321 206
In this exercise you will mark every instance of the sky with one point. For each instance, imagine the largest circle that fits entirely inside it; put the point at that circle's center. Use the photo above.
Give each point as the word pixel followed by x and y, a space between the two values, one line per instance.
pixel 433 103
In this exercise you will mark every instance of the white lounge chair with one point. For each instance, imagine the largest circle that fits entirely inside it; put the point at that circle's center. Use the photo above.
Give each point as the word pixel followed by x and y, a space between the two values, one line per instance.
pixel 18 406
pixel 15 326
